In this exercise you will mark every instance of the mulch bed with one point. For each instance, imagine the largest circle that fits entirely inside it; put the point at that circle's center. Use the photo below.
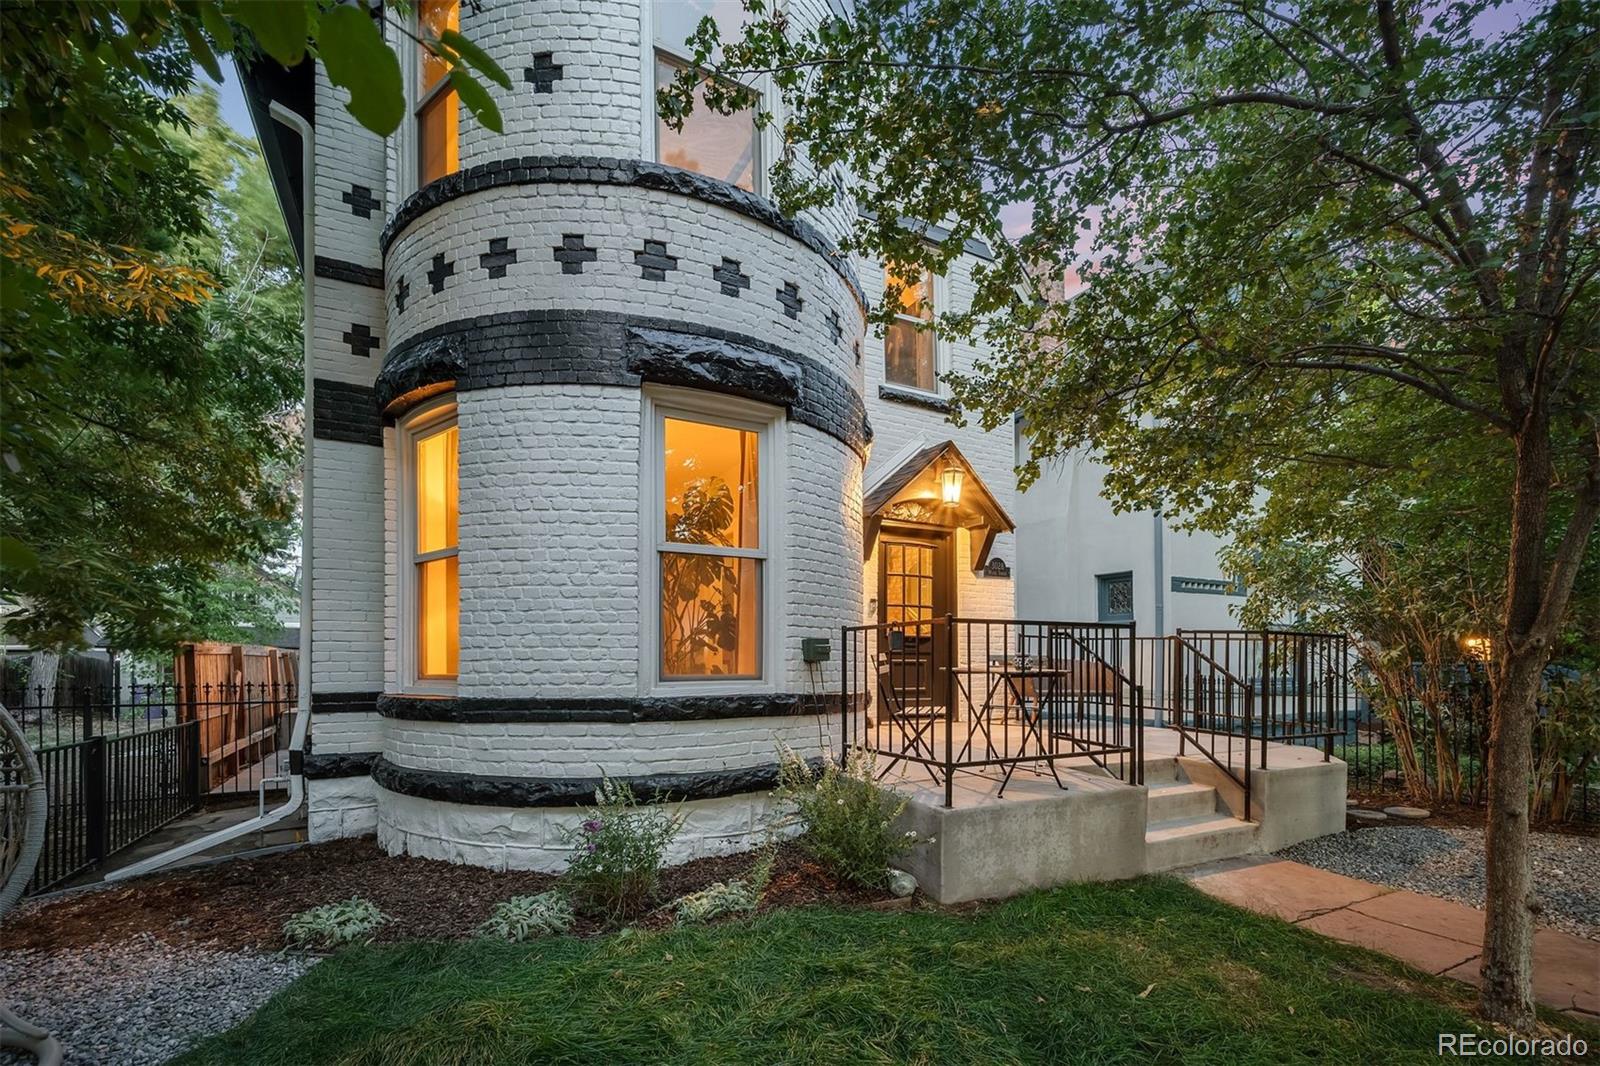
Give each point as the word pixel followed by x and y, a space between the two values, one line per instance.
pixel 243 903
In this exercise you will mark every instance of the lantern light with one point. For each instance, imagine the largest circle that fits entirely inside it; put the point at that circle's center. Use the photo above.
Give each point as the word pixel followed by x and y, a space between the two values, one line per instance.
pixel 950 483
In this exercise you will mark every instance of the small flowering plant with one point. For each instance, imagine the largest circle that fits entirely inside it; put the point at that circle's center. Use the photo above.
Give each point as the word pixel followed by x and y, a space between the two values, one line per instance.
pixel 617 852
pixel 847 819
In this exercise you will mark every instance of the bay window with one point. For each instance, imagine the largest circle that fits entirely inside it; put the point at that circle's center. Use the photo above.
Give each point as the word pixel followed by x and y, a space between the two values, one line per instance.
pixel 711 476
pixel 436 111
pixel 908 345
pixel 727 147
pixel 431 627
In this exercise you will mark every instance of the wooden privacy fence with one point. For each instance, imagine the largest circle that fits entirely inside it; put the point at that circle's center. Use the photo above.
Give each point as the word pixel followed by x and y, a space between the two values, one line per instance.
pixel 242 696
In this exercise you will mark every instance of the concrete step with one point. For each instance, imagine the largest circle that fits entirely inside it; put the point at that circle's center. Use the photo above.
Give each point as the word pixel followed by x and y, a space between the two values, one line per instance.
pixel 1175 801
pixel 1188 841
pixel 1163 771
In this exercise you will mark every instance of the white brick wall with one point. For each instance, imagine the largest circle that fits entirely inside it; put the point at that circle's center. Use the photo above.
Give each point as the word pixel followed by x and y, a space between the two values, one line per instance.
pixel 347 567
pixel 589 749
pixel 341 807
pixel 616 221
pixel 549 541
pixel 346 732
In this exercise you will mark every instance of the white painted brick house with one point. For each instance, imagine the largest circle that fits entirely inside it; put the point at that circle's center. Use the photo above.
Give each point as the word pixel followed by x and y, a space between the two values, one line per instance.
pixel 597 439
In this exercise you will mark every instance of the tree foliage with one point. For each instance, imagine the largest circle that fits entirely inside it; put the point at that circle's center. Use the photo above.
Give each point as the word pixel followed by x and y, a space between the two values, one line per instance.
pixel 1328 263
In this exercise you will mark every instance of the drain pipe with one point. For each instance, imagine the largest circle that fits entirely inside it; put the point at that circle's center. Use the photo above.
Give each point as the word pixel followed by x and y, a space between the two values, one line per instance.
pixel 302 720
pixel 1158 562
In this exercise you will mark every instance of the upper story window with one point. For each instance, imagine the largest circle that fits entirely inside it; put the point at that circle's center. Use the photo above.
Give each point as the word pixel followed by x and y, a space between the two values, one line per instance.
pixel 908 351
pixel 432 599
pixel 711 544
pixel 727 147
pixel 437 113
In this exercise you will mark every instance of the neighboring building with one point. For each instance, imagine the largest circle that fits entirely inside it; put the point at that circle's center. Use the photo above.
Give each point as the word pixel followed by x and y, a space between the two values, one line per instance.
pixel 597 439
pixel 1083 560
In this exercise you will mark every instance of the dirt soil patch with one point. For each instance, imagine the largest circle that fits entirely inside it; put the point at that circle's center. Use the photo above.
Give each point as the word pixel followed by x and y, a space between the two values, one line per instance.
pixel 243 903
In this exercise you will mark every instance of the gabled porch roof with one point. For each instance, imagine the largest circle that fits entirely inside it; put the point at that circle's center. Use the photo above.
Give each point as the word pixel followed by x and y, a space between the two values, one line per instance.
pixel 911 492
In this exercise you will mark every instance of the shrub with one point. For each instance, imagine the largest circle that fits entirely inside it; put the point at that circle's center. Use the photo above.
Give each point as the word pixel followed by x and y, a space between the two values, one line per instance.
pixel 739 896
pixel 334 925
pixel 524 917
pixel 847 817
pixel 617 852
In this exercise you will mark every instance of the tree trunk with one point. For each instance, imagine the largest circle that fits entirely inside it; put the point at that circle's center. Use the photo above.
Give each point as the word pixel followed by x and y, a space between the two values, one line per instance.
pixel 1506 995
pixel 41 690
pixel 1507 966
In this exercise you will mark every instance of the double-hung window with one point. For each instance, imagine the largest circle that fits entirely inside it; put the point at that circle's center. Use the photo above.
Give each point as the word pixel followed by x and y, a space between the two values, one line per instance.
pixel 908 345
pixel 436 111
pixel 727 147
pixel 711 543
pixel 430 443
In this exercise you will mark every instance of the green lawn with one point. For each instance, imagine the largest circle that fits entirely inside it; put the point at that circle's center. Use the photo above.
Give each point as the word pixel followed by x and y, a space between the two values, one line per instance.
pixel 1135 972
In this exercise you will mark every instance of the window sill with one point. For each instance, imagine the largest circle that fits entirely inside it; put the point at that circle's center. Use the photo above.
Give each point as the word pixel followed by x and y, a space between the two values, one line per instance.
pixel 932 401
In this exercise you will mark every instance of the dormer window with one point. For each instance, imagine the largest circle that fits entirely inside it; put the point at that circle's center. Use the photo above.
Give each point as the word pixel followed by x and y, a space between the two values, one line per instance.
pixel 437 113
pixel 726 147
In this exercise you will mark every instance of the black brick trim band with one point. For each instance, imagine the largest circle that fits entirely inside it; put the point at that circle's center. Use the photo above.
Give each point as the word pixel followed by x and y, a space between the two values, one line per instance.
pixel 341 764
pixel 344 702
pixel 483 790
pixel 341 411
pixel 915 398
pixel 597 170
pixel 618 710
pixel 566 347
pixel 354 273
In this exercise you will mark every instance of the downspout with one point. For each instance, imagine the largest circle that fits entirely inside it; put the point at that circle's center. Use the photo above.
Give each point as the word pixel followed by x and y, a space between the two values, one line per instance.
pixel 1158 564
pixel 302 719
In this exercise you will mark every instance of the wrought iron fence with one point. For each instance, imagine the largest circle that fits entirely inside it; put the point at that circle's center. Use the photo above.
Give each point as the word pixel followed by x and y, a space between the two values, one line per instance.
pixel 121 761
pixel 989 696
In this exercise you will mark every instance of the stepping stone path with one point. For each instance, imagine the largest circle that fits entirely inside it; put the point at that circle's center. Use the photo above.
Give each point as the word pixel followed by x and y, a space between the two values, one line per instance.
pixel 1410 814
pixel 1361 815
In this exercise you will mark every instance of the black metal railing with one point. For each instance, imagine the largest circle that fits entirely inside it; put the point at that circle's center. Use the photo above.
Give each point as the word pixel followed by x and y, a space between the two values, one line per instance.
pixel 107 793
pixel 989 696
pixel 243 727
pixel 1232 694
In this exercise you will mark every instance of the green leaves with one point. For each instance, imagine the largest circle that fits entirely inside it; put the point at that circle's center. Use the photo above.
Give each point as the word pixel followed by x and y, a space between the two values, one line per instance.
pixel 456 50
pixel 357 59
pixel 280 28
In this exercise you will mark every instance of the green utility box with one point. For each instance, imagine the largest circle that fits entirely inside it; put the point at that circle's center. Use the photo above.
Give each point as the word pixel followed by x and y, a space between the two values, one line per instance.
pixel 815 649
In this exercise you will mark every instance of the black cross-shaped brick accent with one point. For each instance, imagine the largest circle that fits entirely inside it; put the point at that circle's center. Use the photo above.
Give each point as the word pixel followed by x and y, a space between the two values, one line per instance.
pixel 789 297
pixel 728 276
pixel 361 340
pixel 654 262
pixel 835 327
pixel 440 271
pixel 572 253
pixel 402 293
pixel 857 349
pixel 498 257
pixel 544 73
pixel 361 201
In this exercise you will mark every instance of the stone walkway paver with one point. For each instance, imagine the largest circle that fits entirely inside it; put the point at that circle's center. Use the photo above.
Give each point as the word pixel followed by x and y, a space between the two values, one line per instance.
pixel 1436 935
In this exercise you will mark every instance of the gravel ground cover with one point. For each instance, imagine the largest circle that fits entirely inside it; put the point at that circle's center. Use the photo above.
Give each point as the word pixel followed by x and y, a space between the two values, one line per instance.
pixel 1447 861
pixel 139 1000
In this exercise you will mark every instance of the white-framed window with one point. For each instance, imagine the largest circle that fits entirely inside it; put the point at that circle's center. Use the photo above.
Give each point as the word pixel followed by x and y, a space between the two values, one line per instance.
pixel 710 465
pixel 436 111
pixel 910 349
pixel 727 147
pixel 430 572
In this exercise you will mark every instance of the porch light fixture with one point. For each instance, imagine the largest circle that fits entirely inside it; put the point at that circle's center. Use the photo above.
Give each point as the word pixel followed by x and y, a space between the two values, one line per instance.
pixel 1480 648
pixel 950 484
